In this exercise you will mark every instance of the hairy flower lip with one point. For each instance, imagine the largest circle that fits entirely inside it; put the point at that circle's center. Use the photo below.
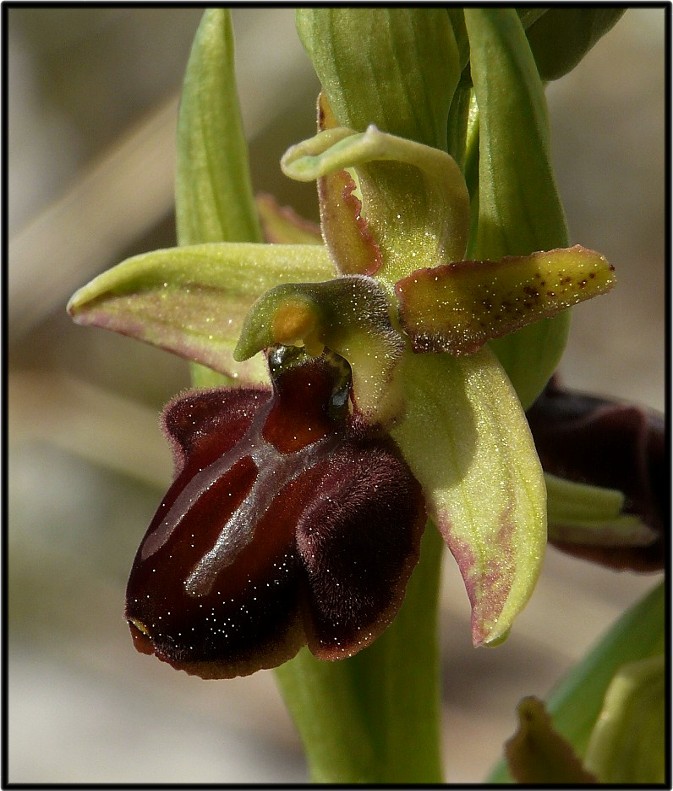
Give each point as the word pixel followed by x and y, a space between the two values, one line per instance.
pixel 289 522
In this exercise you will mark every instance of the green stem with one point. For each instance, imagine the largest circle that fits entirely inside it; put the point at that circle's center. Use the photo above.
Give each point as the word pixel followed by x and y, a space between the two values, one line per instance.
pixel 375 718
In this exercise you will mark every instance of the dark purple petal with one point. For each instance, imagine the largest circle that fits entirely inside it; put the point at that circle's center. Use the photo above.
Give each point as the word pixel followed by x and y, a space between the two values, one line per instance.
pixel 604 443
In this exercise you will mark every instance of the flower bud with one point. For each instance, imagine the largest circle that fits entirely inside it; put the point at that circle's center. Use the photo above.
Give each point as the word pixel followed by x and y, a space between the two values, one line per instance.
pixel 595 441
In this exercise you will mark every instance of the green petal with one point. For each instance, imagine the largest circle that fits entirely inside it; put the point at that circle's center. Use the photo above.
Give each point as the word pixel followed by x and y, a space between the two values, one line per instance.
pixel 519 208
pixel 349 315
pixel 627 745
pixel 538 754
pixel 414 197
pixel 591 515
pixel 396 68
pixel 458 307
pixel 467 442
pixel 213 198
pixel 563 36
pixel 346 232
pixel 192 300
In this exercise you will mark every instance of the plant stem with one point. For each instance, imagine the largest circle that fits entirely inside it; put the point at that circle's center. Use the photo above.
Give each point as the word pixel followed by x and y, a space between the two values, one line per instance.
pixel 375 718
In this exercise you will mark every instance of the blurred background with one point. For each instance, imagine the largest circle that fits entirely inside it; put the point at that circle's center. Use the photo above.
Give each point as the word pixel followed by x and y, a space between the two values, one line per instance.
pixel 92 103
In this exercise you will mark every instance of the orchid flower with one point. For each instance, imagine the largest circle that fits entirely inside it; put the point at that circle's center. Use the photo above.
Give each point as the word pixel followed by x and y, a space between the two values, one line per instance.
pixel 391 294
pixel 382 363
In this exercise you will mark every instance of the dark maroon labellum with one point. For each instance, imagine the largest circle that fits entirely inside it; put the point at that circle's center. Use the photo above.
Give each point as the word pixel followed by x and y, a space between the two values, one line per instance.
pixel 604 443
pixel 289 522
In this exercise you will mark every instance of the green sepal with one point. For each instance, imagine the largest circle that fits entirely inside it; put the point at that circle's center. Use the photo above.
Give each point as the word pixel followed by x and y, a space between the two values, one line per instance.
pixel 578 513
pixel 519 210
pixel 414 198
pixel 456 308
pixel 538 754
pixel 576 701
pixel 348 315
pixel 213 195
pixel 563 36
pixel 462 430
pixel 628 744
pixel 396 68
pixel 192 300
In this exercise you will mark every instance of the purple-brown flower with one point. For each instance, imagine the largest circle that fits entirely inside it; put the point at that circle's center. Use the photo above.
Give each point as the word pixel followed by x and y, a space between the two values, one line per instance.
pixel 592 440
pixel 290 522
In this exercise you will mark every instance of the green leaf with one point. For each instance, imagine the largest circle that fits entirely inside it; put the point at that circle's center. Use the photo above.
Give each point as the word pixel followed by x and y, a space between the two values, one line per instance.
pixel 456 308
pixel 375 718
pixel 457 20
pixel 214 201
pixel 591 515
pixel 192 300
pixel 213 191
pixel 639 633
pixel 527 15
pixel 414 197
pixel 519 208
pixel 538 754
pixel 396 68
pixel 349 315
pixel 466 440
pixel 627 744
pixel 563 36
pixel 576 702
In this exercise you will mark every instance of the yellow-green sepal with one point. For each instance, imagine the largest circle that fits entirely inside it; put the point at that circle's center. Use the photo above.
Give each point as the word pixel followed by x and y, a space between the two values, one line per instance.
pixel 213 190
pixel 192 300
